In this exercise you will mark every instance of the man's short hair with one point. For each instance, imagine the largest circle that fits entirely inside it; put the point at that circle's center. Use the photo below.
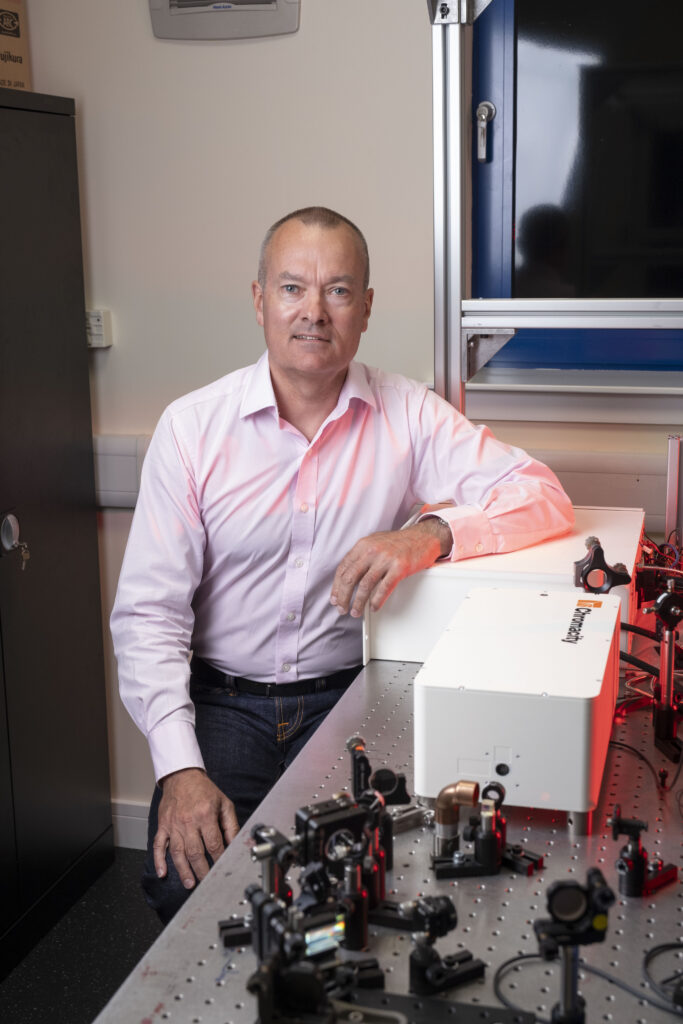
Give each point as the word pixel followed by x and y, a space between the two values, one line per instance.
pixel 319 216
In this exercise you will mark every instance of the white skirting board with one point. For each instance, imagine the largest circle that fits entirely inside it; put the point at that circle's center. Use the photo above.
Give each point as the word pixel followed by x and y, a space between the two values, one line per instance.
pixel 130 824
pixel 598 479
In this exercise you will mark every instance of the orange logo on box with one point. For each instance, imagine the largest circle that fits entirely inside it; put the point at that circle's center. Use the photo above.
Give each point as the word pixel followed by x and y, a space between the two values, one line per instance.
pixel 585 603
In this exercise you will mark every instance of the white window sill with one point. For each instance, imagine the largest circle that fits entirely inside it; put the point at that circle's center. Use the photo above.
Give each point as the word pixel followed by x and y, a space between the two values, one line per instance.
pixel 588 396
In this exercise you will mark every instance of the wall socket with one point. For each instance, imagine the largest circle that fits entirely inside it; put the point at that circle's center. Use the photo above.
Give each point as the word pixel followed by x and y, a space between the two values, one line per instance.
pixel 98 328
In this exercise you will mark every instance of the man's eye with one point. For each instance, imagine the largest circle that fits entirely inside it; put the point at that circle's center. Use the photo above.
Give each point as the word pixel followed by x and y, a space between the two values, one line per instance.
pixel 291 289
pixel 340 291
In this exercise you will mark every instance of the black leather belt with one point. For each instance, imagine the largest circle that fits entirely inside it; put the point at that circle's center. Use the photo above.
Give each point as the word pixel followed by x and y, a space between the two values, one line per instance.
pixel 206 673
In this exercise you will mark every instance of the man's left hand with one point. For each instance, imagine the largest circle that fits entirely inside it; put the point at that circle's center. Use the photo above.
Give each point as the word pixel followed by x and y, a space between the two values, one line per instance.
pixel 375 564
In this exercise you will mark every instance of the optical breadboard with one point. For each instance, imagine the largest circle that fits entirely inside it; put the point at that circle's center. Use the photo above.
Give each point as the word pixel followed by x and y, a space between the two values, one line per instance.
pixel 412 619
pixel 520 689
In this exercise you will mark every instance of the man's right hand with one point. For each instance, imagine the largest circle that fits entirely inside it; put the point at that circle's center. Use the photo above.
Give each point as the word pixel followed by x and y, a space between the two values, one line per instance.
pixel 193 815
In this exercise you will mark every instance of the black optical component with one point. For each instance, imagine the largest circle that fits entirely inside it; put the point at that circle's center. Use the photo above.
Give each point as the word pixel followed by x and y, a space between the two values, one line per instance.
pixel 327 831
pixel 568 902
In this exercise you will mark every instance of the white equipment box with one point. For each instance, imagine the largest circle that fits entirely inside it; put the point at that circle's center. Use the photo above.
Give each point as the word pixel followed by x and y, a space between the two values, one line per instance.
pixel 413 618
pixel 521 689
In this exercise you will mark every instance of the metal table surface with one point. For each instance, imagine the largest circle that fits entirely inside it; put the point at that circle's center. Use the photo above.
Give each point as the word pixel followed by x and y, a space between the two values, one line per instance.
pixel 187 977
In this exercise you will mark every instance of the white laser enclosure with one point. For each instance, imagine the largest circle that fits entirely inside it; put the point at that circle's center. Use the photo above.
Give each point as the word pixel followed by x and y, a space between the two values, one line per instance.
pixel 416 613
pixel 521 689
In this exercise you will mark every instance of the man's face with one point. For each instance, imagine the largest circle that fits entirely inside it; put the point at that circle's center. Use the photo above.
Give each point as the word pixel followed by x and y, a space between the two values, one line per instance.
pixel 313 307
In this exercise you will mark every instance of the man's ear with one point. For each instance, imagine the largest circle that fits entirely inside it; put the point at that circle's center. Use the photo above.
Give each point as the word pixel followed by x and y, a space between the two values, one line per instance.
pixel 257 296
pixel 369 296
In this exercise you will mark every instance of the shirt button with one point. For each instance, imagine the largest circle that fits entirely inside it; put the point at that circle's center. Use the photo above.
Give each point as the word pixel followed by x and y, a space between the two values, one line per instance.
pixel 303 506
pixel 286 666
pixel 461 549
pixel 478 547
pixel 298 563
pixel 290 616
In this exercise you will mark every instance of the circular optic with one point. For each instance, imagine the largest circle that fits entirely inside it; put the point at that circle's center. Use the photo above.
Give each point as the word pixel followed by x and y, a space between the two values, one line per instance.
pixel 567 903
pixel 339 845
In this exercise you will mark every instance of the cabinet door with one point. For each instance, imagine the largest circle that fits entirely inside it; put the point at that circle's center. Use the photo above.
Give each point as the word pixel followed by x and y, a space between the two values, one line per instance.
pixel 8 850
pixel 50 610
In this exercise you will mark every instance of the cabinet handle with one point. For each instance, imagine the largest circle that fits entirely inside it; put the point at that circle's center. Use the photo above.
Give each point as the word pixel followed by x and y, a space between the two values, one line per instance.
pixel 485 113
pixel 9 538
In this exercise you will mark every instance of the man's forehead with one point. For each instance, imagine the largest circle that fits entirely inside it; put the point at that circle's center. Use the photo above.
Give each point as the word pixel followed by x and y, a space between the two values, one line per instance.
pixel 295 235
pixel 291 275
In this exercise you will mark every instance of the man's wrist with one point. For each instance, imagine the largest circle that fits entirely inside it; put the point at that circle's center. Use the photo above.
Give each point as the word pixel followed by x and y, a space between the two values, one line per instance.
pixel 440 530
pixel 179 771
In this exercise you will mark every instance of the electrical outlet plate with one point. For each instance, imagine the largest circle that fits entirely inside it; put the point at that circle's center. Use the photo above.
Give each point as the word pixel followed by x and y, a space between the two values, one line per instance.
pixel 98 328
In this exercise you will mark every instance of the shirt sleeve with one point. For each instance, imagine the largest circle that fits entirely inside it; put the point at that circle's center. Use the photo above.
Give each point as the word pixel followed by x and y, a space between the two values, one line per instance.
pixel 500 498
pixel 152 618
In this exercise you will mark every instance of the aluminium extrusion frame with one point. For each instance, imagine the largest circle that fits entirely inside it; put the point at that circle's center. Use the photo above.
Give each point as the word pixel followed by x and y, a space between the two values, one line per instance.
pixel 468 332
pixel 673 523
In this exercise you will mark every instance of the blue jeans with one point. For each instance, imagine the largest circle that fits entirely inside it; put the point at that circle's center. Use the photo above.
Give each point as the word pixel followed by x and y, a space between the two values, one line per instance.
pixel 246 742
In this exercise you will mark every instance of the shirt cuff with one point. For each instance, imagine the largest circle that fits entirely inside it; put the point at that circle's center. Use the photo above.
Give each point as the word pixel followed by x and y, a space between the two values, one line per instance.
pixel 471 529
pixel 173 746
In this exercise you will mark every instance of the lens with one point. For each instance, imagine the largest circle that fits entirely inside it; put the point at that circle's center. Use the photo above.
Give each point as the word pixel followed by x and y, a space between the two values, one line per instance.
pixel 567 902
pixel 339 845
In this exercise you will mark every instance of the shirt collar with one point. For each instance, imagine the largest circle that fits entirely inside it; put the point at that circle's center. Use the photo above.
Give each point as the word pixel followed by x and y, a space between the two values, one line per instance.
pixel 356 386
pixel 259 393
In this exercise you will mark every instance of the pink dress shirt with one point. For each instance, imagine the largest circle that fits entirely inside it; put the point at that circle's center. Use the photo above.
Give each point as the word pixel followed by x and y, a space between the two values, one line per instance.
pixel 240 525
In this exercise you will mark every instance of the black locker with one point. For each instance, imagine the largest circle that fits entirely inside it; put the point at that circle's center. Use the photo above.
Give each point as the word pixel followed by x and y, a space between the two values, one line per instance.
pixel 55 812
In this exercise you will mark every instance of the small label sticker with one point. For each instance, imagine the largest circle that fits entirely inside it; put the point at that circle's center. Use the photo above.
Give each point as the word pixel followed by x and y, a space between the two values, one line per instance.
pixel 584 602
pixel 9 23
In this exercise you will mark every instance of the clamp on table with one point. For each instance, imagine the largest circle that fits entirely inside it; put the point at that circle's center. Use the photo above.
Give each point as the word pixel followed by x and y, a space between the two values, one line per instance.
pixel 638 876
pixel 593 574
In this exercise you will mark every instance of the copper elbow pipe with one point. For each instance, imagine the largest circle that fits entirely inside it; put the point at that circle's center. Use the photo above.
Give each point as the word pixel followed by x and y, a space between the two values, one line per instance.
pixel 452 798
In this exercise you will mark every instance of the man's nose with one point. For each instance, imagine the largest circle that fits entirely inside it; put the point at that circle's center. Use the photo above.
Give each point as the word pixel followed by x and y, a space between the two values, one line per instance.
pixel 316 308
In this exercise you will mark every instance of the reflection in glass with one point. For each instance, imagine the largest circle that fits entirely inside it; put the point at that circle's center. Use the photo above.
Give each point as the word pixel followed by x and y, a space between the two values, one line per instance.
pixel 599 150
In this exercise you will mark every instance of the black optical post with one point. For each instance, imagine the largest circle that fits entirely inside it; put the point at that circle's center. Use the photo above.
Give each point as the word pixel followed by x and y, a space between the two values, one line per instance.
pixel 668 609
pixel 578 917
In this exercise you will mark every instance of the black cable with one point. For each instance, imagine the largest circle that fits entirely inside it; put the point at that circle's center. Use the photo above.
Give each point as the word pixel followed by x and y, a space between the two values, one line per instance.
pixel 667 1007
pixel 620 745
pixel 641 757
pixel 650 634
pixel 503 971
pixel 639 630
pixel 651 955
pixel 675 778
pixel 629 658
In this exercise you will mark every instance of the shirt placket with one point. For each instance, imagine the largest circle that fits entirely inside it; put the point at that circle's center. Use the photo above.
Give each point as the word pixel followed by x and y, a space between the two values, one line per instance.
pixel 304 505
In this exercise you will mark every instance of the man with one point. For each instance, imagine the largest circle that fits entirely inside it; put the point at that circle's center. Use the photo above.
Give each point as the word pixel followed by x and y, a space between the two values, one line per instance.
pixel 269 516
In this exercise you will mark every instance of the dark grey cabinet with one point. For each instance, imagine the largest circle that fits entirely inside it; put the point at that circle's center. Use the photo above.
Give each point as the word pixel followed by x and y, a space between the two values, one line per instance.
pixel 55 812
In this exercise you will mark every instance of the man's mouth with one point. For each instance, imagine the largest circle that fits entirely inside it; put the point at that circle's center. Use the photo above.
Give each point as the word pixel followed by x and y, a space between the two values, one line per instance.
pixel 310 337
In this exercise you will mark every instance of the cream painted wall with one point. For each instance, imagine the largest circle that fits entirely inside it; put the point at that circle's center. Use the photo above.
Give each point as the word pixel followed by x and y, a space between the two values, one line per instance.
pixel 187 152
